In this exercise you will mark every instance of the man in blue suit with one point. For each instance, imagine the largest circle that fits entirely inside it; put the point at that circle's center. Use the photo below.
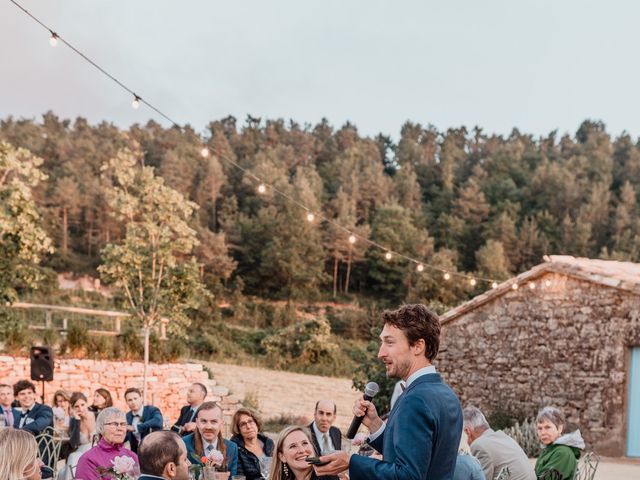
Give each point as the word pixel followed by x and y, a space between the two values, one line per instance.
pixel 207 439
pixel 6 408
pixel 421 437
pixel 142 420
pixel 30 416
pixel 163 455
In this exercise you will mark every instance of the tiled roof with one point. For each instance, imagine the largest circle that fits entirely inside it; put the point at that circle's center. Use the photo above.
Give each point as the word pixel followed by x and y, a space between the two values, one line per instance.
pixel 621 275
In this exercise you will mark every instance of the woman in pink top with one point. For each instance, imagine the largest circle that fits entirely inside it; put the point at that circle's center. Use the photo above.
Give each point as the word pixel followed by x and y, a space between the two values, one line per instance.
pixel 111 425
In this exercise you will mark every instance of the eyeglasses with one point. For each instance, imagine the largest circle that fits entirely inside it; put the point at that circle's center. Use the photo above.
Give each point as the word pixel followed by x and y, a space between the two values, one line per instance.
pixel 117 424
pixel 246 423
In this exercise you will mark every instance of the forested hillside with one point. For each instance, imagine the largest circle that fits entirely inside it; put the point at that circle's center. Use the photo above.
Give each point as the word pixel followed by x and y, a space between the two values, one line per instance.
pixel 464 200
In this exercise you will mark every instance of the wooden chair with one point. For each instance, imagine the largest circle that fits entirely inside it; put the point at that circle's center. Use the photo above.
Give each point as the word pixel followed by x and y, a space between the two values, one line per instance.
pixel 587 465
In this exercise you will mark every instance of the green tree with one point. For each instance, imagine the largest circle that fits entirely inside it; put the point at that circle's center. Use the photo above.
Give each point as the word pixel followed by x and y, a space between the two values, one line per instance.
pixel 153 265
pixel 23 241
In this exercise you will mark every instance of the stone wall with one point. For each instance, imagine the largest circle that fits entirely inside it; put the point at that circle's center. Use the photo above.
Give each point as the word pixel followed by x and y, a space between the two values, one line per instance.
pixel 167 383
pixel 564 344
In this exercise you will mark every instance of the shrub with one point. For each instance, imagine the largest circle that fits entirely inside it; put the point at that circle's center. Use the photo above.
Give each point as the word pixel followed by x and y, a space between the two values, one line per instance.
pixel 275 424
pixel 526 436
pixel 13 331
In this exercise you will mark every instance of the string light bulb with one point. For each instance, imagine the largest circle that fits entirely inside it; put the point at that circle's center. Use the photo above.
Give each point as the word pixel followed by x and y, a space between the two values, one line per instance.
pixel 532 286
pixel 262 188
pixel 420 267
pixel 310 217
pixel 473 282
pixel 205 151
pixel 53 39
pixel 136 102
pixel 352 239
pixel 547 283
pixel 494 285
pixel 514 286
pixel 446 276
pixel 387 255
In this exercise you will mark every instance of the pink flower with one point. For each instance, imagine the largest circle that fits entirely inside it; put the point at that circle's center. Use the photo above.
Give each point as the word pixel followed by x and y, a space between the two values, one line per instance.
pixel 123 464
pixel 359 439
pixel 216 457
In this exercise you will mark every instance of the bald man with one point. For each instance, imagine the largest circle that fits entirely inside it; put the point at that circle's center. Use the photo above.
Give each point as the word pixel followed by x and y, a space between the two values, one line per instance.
pixel 326 438
pixel 163 456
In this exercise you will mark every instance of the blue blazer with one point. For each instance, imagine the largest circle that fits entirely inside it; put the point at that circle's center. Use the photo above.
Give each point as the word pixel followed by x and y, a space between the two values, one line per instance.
pixel 38 419
pixel 421 437
pixel 151 421
pixel 231 457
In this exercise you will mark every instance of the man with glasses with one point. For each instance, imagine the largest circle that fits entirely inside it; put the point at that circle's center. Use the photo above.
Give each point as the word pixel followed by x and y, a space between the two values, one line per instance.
pixel 111 426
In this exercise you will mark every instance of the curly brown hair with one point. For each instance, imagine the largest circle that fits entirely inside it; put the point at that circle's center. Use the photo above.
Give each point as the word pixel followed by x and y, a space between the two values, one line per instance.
pixel 417 322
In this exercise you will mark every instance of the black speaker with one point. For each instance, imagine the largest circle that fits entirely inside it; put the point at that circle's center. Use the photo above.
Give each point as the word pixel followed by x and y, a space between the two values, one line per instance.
pixel 42 363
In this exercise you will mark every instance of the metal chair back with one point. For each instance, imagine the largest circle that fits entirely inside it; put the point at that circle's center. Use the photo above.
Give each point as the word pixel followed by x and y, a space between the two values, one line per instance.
pixel 587 465
pixel 503 474
pixel 49 447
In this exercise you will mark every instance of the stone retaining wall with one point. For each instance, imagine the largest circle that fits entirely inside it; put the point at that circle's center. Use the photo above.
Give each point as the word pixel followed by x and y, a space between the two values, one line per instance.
pixel 167 383
pixel 564 344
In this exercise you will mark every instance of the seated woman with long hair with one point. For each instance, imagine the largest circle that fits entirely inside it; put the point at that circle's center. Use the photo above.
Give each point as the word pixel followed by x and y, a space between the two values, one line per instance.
pixel 61 410
pixel 254 448
pixel 101 400
pixel 82 428
pixel 19 455
pixel 293 446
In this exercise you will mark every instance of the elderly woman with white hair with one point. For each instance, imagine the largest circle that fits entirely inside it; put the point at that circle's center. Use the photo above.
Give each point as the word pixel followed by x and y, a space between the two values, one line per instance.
pixel 561 449
pixel 111 426
pixel 19 459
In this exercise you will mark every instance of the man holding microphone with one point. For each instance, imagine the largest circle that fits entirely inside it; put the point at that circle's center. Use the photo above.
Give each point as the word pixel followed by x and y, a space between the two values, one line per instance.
pixel 421 437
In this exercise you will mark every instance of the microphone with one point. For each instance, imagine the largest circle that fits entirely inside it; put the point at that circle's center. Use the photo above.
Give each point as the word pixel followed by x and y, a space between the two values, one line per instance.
pixel 370 391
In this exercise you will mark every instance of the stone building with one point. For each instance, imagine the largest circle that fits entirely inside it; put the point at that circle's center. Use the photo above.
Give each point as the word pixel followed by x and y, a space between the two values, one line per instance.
pixel 565 333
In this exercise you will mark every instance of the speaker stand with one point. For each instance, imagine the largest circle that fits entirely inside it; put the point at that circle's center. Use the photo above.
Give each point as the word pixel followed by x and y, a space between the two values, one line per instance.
pixel 43 401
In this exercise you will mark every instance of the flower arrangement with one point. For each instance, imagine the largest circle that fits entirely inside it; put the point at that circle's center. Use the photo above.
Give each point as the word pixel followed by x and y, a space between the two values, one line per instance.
pixel 215 459
pixel 122 468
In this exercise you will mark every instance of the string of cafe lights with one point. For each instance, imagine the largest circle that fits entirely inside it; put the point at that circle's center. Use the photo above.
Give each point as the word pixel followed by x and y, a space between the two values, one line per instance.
pixel 263 186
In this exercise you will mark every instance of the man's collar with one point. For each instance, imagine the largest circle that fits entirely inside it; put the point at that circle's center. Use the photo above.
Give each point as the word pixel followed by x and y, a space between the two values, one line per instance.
pixel 419 373
pixel 148 475
pixel 139 412
pixel 27 410
pixel 205 444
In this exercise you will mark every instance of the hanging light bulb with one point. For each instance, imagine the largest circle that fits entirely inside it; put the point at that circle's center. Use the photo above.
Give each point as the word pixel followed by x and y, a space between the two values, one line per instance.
pixel 514 286
pixel 136 102
pixel 547 283
pixel 473 282
pixel 532 286
pixel 494 285
pixel 387 256
pixel 352 238
pixel 205 151
pixel 310 217
pixel 420 267
pixel 262 188
pixel 53 39
pixel 446 276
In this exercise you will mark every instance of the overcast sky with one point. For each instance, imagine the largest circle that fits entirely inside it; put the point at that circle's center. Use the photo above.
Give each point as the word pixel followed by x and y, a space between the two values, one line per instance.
pixel 537 65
